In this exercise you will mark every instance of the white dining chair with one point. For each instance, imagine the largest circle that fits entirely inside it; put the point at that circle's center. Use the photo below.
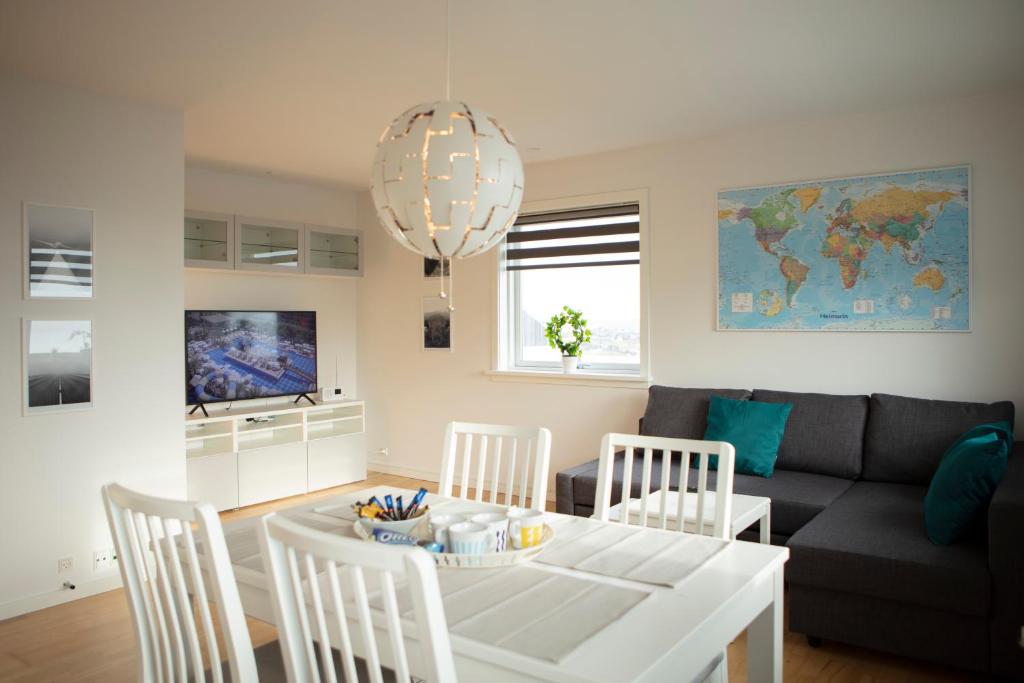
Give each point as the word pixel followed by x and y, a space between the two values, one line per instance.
pixel 660 505
pixel 502 453
pixel 339 602
pixel 156 544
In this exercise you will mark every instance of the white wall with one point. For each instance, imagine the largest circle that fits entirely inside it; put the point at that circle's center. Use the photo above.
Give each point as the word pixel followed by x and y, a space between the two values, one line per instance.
pixel 414 394
pixel 125 161
pixel 333 298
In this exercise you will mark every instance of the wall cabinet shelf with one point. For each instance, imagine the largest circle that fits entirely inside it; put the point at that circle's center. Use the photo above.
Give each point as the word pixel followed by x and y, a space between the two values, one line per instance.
pixel 232 462
pixel 228 242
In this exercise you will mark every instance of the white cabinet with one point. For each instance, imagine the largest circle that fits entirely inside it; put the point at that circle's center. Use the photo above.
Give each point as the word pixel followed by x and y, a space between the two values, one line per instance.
pixel 214 479
pixel 209 240
pixel 240 459
pixel 215 240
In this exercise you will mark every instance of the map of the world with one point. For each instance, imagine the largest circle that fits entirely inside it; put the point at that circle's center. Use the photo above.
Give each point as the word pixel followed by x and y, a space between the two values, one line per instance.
pixel 881 252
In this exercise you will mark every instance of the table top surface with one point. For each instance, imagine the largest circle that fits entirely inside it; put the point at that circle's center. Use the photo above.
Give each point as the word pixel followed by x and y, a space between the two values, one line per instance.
pixel 619 652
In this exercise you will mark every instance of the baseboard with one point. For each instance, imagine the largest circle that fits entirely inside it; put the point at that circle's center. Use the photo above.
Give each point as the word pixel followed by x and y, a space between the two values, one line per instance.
pixel 40 601
pixel 424 474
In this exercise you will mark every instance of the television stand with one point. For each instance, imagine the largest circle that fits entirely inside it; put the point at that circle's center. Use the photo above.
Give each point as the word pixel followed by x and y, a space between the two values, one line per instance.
pixel 300 397
pixel 199 406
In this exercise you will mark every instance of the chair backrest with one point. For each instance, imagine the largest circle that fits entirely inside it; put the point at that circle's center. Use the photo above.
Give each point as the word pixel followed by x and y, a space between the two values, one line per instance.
pixel 162 569
pixel 527 447
pixel 669 449
pixel 339 602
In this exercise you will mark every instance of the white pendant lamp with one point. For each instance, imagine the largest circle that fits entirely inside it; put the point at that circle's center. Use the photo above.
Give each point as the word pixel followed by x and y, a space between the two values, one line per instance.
pixel 447 179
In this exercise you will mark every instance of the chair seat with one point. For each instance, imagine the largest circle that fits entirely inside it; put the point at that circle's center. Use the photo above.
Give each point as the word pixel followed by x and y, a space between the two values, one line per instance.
pixel 872 542
pixel 270 665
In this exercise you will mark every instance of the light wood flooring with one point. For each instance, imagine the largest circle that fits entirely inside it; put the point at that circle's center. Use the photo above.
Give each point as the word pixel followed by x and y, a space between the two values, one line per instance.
pixel 91 640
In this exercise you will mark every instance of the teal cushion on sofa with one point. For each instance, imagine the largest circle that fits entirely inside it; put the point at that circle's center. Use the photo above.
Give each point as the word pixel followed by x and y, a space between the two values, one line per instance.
pixel 965 480
pixel 754 429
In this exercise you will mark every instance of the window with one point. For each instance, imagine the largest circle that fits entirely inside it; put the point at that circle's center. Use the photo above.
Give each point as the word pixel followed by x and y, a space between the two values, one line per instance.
pixel 588 258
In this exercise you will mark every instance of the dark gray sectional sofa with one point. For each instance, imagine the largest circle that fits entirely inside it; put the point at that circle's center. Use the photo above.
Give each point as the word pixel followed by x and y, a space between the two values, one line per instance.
pixel 848 500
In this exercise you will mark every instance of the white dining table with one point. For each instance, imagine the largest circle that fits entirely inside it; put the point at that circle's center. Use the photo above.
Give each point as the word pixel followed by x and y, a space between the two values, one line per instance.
pixel 672 635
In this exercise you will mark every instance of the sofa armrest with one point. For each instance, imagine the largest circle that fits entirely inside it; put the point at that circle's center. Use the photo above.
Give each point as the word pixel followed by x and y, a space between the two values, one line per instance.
pixel 564 501
pixel 1006 564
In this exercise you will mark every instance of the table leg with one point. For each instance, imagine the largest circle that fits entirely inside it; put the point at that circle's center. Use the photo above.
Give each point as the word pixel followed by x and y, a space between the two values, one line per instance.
pixel 766 526
pixel 764 639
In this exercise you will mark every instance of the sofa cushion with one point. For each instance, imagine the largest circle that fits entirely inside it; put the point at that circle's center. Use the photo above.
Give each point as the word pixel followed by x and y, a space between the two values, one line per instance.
pixel 796 496
pixel 824 434
pixel 681 413
pixel 906 437
pixel 871 541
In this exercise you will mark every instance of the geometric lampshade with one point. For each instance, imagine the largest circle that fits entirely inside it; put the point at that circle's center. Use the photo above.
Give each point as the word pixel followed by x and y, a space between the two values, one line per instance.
pixel 447 180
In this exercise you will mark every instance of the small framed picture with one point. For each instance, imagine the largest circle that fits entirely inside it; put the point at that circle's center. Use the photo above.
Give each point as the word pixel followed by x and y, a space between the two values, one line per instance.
pixel 432 267
pixel 437 324
pixel 58 367
pixel 59 260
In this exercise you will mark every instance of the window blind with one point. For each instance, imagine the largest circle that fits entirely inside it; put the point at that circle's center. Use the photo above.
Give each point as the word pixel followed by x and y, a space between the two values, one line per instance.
pixel 595 236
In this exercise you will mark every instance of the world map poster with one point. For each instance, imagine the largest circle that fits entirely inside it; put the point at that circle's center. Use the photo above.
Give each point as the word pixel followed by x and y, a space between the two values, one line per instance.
pixel 884 252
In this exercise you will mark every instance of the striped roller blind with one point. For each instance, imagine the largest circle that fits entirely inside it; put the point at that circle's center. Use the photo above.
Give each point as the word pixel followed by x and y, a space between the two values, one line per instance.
pixel 596 236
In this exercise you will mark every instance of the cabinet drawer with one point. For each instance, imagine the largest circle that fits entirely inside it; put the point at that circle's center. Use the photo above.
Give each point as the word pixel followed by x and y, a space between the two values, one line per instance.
pixel 337 460
pixel 214 479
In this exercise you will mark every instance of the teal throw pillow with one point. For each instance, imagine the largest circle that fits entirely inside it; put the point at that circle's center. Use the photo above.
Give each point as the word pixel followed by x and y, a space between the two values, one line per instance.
pixel 965 480
pixel 754 429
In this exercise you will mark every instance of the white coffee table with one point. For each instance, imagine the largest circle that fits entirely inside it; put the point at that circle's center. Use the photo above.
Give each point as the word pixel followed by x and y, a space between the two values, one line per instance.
pixel 745 511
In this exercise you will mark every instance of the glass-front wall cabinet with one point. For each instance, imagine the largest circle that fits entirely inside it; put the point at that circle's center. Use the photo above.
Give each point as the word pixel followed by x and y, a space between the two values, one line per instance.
pixel 270 245
pixel 209 240
pixel 333 251
pixel 214 240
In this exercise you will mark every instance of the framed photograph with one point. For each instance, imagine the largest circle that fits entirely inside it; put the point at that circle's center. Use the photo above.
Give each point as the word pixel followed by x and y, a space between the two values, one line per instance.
pixel 432 267
pixel 437 324
pixel 58 367
pixel 59 260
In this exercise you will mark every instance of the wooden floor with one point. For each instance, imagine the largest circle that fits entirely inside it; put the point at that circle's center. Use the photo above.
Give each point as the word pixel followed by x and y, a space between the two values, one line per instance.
pixel 91 640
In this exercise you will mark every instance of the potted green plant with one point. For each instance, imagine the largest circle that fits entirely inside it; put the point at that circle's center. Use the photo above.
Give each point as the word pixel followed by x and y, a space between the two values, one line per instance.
pixel 567 331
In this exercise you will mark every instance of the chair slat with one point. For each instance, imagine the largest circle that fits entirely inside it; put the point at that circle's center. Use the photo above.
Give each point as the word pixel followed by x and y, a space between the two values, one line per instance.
pixel 348 661
pixel 163 606
pixel 199 590
pixel 666 480
pixel 467 456
pixel 323 639
pixel 510 480
pixel 372 654
pixel 627 482
pixel 299 605
pixel 684 489
pixel 496 474
pixel 525 474
pixel 480 466
pixel 702 487
pixel 394 626
pixel 645 486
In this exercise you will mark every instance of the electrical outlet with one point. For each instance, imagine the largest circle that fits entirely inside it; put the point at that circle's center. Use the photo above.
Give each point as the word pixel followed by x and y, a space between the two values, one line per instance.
pixel 65 564
pixel 113 558
pixel 100 560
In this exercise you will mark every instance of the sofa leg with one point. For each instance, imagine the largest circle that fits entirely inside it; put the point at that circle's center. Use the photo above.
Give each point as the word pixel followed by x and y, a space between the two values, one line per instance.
pixel 814 641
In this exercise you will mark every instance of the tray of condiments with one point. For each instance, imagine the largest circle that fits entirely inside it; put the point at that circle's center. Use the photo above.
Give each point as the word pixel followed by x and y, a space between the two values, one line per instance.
pixel 491 538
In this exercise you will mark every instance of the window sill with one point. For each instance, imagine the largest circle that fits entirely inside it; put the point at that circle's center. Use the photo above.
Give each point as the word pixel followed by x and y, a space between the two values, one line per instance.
pixel 584 379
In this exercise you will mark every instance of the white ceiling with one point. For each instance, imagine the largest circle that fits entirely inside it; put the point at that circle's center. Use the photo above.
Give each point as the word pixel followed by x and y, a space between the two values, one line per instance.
pixel 304 87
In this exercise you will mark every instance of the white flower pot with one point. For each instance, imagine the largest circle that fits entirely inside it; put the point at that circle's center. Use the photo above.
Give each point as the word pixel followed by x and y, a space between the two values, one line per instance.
pixel 569 364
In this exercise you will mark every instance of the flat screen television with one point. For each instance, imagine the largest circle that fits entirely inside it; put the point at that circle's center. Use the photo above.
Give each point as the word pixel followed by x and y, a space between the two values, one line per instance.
pixel 238 355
